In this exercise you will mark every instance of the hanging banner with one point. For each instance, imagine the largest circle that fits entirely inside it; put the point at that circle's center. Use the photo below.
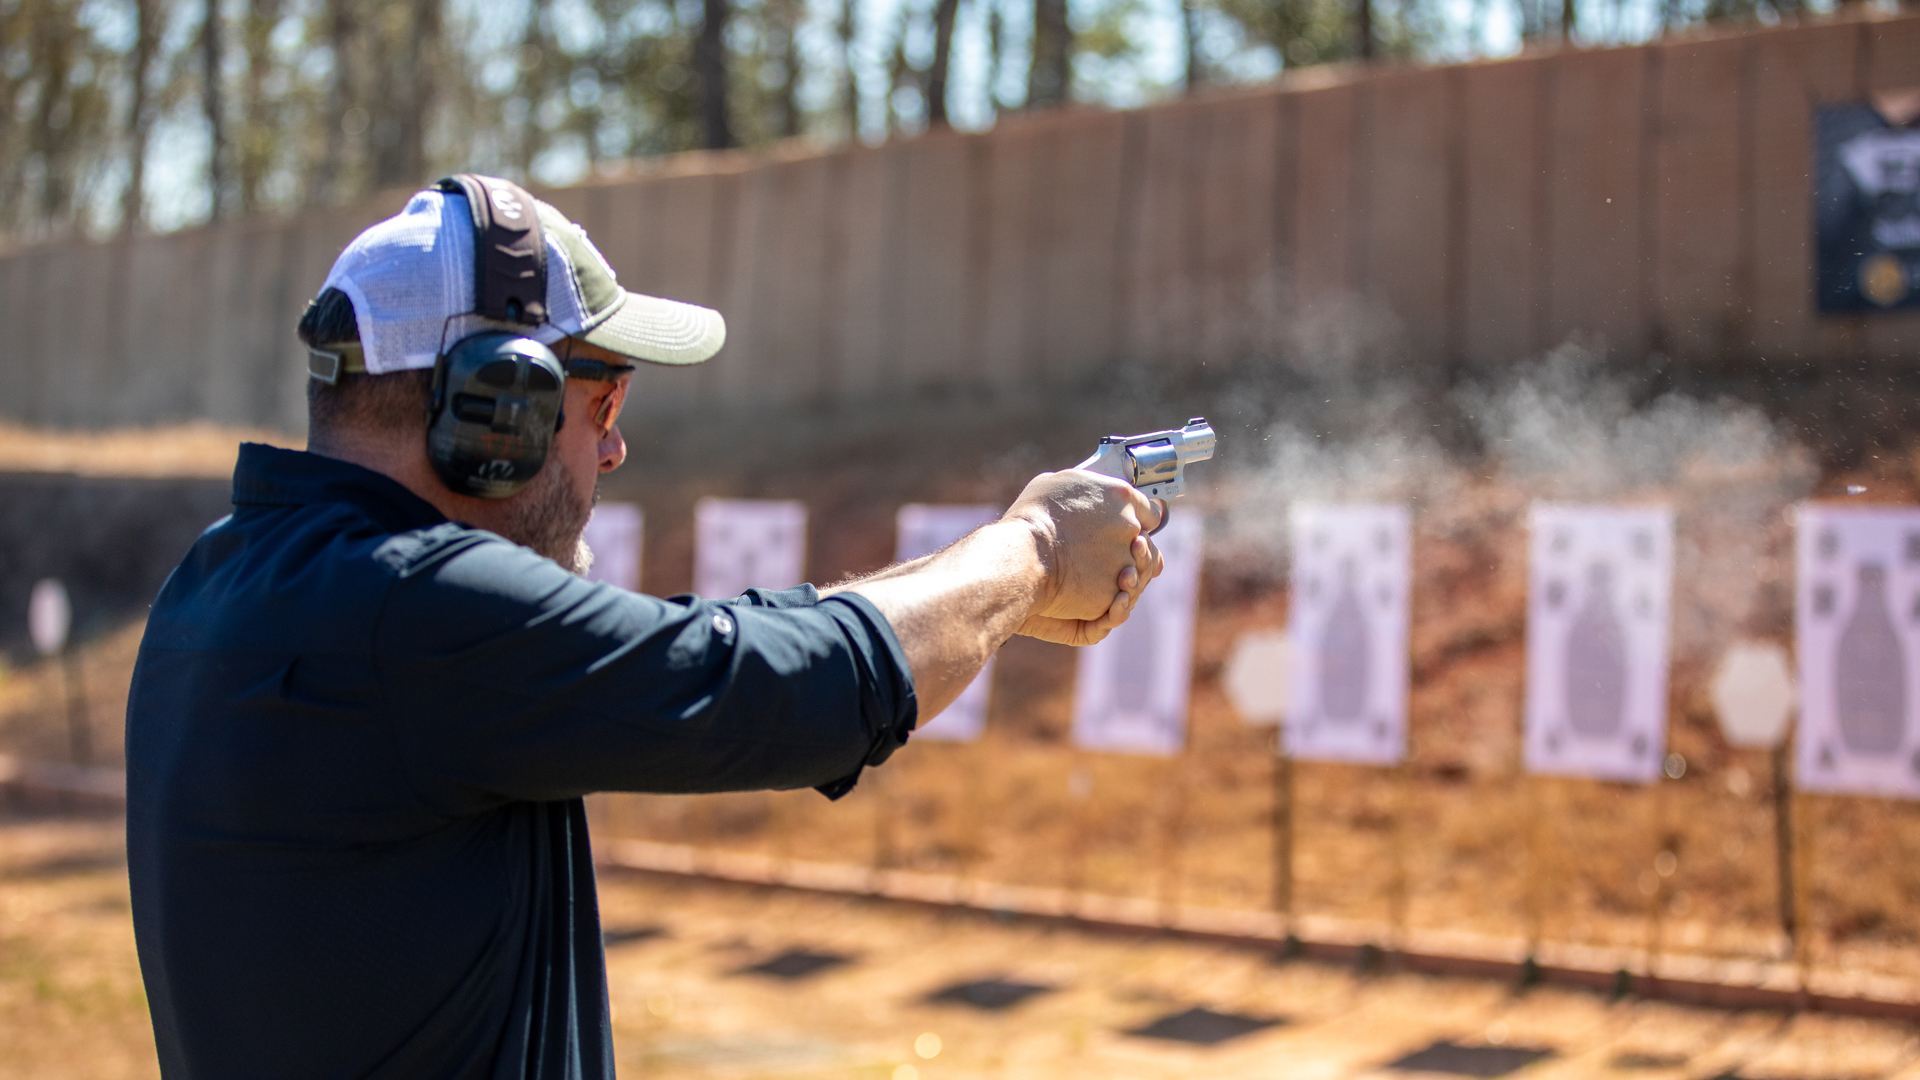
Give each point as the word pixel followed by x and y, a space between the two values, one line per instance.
pixel 614 536
pixel 742 544
pixel 1348 622
pixel 1130 691
pixel 923 530
pixel 1866 210
pixel 1855 626
pixel 1599 605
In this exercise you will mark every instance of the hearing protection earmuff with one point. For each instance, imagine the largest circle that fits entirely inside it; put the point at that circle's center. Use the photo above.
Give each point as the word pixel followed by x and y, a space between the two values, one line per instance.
pixel 497 395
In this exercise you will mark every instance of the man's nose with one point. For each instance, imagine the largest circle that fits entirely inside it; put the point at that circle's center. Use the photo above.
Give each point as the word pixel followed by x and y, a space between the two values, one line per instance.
pixel 613 449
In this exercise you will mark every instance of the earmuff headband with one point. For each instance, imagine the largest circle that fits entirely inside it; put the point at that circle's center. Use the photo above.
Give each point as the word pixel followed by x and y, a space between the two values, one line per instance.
pixel 509 249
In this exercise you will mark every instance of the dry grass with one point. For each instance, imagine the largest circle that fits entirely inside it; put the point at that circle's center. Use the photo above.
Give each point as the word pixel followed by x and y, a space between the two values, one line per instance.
pixel 71 1004
pixel 199 449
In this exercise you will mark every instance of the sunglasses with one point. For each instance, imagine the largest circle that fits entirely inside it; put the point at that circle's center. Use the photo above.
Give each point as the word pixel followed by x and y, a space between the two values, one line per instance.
pixel 601 371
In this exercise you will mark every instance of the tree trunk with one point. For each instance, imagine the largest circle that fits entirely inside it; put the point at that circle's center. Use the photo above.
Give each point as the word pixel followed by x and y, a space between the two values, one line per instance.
pixel 710 68
pixel 849 84
pixel 425 68
pixel 214 101
pixel 943 16
pixel 996 47
pixel 146 41
pixel 1363 30
pixel 785 15
pixel 340 100
pixel 1050 80
pixel 1569 20
pixel 259 140
pixel 52 61
pixel 1190 29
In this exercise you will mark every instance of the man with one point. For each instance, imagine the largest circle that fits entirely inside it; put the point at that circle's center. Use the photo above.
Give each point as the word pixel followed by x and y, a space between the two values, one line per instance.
pixel 368 704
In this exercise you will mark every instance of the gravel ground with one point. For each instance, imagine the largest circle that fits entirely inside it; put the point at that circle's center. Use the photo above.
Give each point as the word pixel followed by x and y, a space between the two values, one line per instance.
pixel 687 1006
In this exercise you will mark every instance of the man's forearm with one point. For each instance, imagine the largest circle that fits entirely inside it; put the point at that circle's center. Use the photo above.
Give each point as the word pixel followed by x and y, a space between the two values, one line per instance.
pixel 953 609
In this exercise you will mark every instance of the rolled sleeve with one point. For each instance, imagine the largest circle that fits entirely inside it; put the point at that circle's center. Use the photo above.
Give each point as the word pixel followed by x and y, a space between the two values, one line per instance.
pixel 509 678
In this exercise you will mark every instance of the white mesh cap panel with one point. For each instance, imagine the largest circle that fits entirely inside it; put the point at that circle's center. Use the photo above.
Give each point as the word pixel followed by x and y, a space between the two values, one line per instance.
pixel 406 275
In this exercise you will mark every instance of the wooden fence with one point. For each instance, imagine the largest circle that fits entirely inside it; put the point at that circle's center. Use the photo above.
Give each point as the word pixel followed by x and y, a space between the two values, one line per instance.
pixel 1653 198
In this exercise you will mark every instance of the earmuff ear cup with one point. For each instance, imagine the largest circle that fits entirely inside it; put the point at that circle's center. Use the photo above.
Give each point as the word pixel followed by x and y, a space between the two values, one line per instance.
pixel 496 407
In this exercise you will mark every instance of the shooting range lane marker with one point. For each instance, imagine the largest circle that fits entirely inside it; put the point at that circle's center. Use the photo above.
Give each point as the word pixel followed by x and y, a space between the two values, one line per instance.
pixel 795 965
pixel 1739 985
pixel 615 936
pixel 988 995
pixel 1457 1059
pixel 1204 1027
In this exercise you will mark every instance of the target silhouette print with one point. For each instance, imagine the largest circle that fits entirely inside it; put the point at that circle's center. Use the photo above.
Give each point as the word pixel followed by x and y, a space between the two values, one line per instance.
pixel 1857 624
pixel 1599 602
pixel 1348 622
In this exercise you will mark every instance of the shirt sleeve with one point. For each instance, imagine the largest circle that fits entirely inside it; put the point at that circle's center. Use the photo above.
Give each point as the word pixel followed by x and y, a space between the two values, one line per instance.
pixel 510 678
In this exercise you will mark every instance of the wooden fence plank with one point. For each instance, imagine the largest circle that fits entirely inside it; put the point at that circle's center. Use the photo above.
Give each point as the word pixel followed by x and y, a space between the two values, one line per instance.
pixel 1698 317
pixel 796 337
pixel 1594 206
pixel 867 207
pixel 1409 202
pixel 1235 259
pixel 23 362
pixel 1791 77
pixel 1163 305
pixel 1077 327
pixel 626 228
pixel 55 283
pixel 1020 194
pixel 1502 126
pixel 1325 273
pixel 746 293
pixel 218 382
pixel 929 260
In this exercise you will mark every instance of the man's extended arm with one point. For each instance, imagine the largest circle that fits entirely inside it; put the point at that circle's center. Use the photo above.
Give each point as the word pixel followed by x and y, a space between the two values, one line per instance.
pixel 1066 563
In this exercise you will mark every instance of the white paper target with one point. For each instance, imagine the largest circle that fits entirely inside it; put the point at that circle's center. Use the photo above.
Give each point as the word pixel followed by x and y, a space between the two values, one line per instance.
pixel 1131 690
pixel 923 530
pixel 1857 629
pixel 1599 607
pixel 1352 572
pixel 1258 675
pixel 742 544
pixel 49 615
pixel 614 535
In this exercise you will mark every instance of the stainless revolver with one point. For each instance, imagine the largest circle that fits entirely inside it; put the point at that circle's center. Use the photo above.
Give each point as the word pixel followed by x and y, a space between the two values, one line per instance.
pixel 1155 462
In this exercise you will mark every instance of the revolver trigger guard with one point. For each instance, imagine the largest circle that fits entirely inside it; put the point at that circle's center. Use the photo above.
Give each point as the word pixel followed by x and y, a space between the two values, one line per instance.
pixel 1166 515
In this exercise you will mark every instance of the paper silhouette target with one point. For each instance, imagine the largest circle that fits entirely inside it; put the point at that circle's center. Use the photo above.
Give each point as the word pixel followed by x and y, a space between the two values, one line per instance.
pixel 742 544
pixel 1131 690
pixel 613 535
pixel 1348 618
pixel 1857 629
pixel 1599 607
pixel 923 530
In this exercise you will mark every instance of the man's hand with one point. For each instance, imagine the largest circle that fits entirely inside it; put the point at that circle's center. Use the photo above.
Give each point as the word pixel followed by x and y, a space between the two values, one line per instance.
pixel 1066 564
pixel 1092 536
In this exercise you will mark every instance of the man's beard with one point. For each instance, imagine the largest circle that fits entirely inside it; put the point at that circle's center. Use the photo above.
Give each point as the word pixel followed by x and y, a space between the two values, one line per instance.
pixel 551 518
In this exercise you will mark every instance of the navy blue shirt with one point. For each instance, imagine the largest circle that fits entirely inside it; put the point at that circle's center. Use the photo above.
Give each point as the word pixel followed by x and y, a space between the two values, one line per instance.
pixel 357 742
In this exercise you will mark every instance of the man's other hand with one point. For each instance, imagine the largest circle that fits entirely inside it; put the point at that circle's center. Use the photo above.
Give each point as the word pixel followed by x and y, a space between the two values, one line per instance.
pixel 1092 533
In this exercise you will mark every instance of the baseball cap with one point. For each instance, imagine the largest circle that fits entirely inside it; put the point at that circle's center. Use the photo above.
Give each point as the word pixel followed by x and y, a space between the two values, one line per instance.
pixel 410 278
